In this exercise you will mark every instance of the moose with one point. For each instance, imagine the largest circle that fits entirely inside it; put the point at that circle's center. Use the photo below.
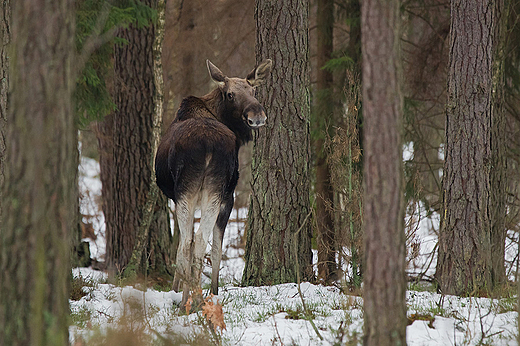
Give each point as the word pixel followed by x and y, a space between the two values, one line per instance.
pixel 197 166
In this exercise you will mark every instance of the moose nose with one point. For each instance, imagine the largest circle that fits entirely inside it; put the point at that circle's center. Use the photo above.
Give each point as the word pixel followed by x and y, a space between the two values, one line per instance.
pixel 255 115
pixel 257 122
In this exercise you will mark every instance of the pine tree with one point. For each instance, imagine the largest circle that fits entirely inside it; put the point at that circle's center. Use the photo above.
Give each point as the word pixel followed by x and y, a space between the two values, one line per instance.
pixel 383 217
pixel 472 226
pixel 133 135
pixel 40 174
pixel 278 247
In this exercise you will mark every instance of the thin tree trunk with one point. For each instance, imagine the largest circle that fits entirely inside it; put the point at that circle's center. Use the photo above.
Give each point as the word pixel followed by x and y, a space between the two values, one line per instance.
pixel 383 217
pixel 41 167
pixel 323 123
pixel 280 168
pixel 5 23
pixel 499 181
pixel 469 223
pixel 104 134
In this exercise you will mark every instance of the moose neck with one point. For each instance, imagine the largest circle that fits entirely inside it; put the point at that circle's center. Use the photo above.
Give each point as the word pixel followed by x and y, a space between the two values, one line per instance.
pixel 231 117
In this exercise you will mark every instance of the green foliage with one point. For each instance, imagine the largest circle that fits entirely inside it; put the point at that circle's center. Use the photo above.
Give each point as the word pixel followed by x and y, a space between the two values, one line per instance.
pixel 96 24
pixel 342 62
pixel 299 313
pixel 77 290
pixel 421 287
pixel 81 317
pixel 507 305
pixel 143 15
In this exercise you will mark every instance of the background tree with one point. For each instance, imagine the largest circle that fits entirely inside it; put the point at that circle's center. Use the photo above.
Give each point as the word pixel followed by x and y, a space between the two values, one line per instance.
pixel 425 46
pixel 384 277
pixel 102 84
pixel 278 230
pixel 323 123
pixel 473 153
pixel 512 109
pixel 133 145
pixel 97 22
pixel 342 142
pixel 40 173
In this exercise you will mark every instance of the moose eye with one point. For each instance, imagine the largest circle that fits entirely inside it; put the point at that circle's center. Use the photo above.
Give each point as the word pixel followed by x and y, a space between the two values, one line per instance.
pixel 230 96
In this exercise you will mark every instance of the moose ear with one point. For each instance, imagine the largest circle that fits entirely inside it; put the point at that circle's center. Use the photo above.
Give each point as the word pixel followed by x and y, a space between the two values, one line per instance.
pixel 259 74
pixel 217 75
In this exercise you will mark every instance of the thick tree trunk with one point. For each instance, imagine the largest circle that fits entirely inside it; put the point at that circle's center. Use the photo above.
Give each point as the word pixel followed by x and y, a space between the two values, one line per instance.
pixel 133 144
pixel 470 228
pixel 278 230
pixel 323 123
pixel 40 175
pixel 384 238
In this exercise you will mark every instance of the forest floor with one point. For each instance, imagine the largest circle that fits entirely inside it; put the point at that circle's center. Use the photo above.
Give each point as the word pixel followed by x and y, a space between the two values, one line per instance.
pixel 287 314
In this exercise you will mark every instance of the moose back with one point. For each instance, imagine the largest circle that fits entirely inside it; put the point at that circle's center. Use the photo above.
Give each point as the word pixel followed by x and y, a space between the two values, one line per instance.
pixel 197 166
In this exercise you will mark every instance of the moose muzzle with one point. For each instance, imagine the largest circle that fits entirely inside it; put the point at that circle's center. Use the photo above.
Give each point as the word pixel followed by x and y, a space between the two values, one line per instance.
pixel 255 116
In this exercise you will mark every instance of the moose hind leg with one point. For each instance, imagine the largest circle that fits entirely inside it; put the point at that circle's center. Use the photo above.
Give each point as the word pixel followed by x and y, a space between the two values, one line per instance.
pixel 218 235
pixel 210 205
pixel 185 215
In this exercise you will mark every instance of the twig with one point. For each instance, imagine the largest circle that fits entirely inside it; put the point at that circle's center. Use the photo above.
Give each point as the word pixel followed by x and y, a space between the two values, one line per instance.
pixel 295 242
pixel 276 329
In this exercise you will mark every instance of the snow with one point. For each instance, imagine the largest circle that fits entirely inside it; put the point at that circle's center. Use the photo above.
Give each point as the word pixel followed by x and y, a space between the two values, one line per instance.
pixel 90 205
pixel 259 315
pixel 262 315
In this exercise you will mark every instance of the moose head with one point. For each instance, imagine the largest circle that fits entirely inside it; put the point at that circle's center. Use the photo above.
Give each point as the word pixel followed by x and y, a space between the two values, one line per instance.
pixel 238 94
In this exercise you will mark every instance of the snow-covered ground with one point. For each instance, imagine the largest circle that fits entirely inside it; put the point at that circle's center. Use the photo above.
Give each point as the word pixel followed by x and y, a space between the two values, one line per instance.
pixel 274 315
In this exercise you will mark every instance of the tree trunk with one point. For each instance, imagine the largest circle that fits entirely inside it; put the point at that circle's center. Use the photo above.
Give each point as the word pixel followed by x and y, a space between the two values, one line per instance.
pixel 278 230
pixel 470 229
pixel 104 134
pixel 133 145
pixel 40 174
pixel 498 179
pixel 323 123
pixel 384 238
pixel 5 23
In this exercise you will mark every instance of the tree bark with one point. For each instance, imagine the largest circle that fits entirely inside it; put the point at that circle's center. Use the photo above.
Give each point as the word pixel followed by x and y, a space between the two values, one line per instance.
pixel 104 134
pixel 5 23
pixel 40 174
pixel 470 227
pixel 323 123
pixel 498 179
pixel 384 238
pixel 135 90
pixel 280 168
